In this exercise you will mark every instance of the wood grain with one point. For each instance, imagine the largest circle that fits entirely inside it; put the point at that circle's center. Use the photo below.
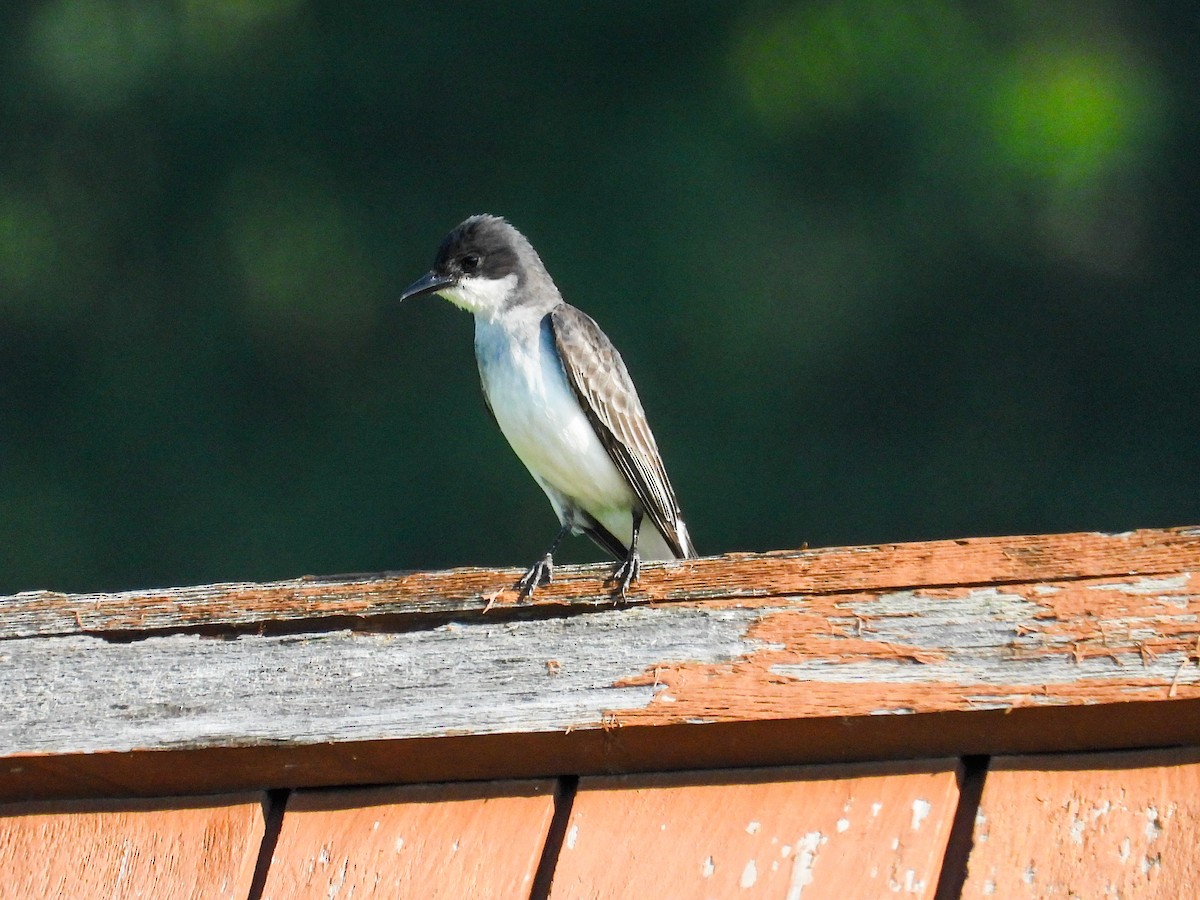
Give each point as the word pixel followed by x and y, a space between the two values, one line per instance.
pixel 424 841
pixel 819 832
pixel 183 848
pixel 833 650
pixel 1106 641
pixel 1095 825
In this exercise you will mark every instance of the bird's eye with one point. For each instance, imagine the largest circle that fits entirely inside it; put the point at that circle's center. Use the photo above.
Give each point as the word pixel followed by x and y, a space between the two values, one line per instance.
pixel 470 262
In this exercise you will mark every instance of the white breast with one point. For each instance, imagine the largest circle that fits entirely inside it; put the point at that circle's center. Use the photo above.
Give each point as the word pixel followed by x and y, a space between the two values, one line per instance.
pixel 541 418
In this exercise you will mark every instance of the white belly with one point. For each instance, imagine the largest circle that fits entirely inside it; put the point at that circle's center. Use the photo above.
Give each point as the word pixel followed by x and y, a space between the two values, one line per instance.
pixel 541 418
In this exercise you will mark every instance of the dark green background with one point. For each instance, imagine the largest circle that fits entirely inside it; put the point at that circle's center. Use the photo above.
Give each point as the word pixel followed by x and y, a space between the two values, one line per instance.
pixel 882 271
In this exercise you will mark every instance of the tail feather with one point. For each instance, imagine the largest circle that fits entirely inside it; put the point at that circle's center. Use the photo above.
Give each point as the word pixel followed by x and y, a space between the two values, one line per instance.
pixel 652 545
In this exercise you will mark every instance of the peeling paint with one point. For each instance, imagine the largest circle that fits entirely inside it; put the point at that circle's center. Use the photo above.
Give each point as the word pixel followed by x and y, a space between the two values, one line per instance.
pixel 981 826
pixel 1148 585
pixel 920 812
pixel 749 875
pixel 1154 825
pixel 979 669
pixel 336 883
pixel 802 867
pixel 1090 825
pixel 1077 827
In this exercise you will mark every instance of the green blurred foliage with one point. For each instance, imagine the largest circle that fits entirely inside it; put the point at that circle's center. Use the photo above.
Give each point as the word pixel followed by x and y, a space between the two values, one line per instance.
pixel 882 271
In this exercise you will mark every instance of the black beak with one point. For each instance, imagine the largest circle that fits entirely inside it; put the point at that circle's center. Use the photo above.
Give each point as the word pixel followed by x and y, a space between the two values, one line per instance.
pixel 429 283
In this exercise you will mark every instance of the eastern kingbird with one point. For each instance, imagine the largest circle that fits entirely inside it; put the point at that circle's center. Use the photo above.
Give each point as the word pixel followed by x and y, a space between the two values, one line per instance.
pixel 560 392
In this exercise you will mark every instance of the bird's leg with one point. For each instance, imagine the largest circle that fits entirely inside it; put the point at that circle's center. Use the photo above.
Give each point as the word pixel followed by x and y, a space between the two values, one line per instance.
pixel 629 571
pixel 542 571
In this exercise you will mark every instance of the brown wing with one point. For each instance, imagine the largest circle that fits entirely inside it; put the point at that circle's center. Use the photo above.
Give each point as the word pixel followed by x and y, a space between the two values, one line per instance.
pixel 601 382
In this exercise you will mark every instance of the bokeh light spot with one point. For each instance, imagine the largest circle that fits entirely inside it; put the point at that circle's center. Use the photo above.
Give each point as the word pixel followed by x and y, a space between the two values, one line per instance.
pixel 830 59
pixel 1070 117
pixel 28 250
pixel 94 53
pixel 300 254
pixel 218 27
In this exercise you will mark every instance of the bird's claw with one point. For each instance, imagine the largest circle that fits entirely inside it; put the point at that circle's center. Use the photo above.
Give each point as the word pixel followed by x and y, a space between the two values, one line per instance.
pixel 541 572
pixel 625 574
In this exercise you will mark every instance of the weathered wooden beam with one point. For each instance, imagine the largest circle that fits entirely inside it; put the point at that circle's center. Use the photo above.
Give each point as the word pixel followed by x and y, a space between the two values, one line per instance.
pixel 1027 644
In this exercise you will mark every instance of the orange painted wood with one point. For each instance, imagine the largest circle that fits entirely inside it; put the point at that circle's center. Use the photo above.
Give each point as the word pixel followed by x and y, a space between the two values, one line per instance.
pixel 423 841
pixel 177 848
pixel 820 832
pixel 1097 825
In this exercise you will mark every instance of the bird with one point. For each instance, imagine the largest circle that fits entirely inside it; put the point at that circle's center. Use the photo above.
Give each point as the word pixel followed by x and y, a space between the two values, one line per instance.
pixel 563 398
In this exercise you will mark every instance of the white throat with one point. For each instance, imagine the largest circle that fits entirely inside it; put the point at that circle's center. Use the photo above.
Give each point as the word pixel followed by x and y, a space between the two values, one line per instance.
pixel 485 297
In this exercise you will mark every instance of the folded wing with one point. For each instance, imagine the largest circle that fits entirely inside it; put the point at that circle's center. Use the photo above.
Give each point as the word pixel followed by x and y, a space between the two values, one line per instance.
pixel 600 380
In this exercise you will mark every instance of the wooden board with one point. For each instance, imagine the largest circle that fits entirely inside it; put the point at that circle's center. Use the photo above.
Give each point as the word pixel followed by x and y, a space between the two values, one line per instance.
pixel 181 848
pixel 821 832
pixel 1095 825
pixel 391 599
pixel 880 652
pixel 424 841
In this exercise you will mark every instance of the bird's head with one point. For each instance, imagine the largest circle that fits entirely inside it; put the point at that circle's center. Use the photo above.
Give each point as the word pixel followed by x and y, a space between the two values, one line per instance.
pixel 478 266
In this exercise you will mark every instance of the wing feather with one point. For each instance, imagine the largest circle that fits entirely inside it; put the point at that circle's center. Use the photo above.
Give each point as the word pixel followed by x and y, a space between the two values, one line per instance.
pixel 600 380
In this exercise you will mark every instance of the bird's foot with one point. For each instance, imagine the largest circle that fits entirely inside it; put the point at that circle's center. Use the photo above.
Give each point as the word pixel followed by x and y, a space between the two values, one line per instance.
pixel 625 574
pixel 541 572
